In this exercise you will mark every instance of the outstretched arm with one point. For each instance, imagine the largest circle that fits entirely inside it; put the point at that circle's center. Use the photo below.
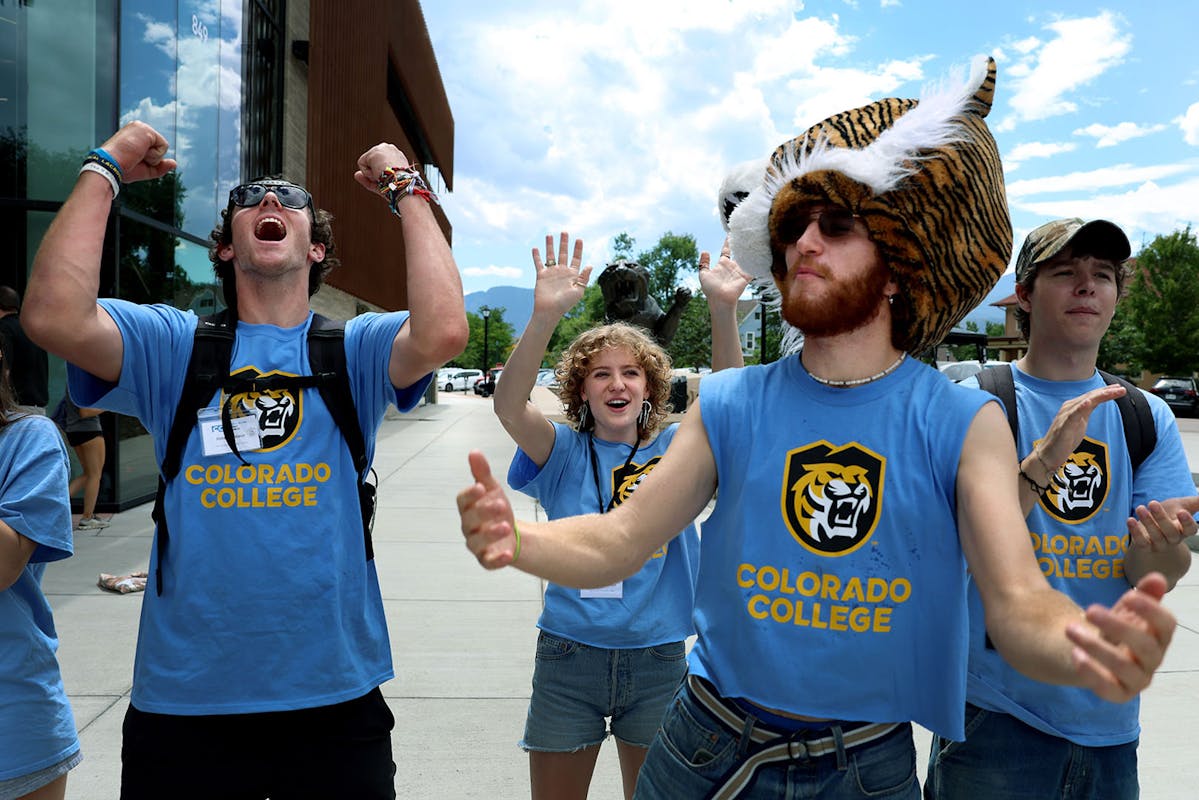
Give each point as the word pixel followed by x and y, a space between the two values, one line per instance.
pixel 559 287
pixel 60 311
pixel 436 330
pixel 723 285
pixel 15 551
pixel 596 549
pixel 1114 652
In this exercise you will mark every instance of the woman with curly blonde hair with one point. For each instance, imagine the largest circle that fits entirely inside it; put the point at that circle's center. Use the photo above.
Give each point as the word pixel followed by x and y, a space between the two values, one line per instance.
pixel 617 651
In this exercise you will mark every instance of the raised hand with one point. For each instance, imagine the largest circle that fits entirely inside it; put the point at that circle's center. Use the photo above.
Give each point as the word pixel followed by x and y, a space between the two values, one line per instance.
pixel 141 152
pixel 1070 425
pixel 1160 526
pixel 372 163
pixel 1117 657
pixel 560 285
pixel 487 520
pixel 723 283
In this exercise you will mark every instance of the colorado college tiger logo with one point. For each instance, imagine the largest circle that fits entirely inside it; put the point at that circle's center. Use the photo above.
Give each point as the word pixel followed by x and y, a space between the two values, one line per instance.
pixel 278 411
pixel 1079 489
pixel 832 496
pixel 626 481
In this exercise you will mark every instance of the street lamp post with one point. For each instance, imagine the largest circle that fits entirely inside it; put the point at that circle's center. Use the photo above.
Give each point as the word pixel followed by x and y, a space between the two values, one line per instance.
pixel 486 312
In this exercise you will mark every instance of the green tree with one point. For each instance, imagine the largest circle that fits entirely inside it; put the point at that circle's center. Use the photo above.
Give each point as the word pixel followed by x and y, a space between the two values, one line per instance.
pixel 1163 303
pixel 500 339
pixel 586 315
pixel 665 260
pixel 622 246
pixel 774 333
pixel 1121 347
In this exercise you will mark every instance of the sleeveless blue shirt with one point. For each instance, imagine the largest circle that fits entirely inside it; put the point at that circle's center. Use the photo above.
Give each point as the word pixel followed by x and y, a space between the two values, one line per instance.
pixel 832 581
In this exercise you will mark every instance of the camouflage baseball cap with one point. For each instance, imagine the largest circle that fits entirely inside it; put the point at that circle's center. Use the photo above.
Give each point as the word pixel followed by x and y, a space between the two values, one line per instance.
pixel 1098 238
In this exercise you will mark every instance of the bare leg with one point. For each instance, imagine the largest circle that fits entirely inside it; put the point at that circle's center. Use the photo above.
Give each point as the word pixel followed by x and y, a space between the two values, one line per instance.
pixel 91 456
pixel 55 790
pixel 631 759
pixel 562 776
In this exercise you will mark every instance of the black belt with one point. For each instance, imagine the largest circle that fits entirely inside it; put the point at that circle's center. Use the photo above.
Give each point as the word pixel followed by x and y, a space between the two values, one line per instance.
pixel 778 745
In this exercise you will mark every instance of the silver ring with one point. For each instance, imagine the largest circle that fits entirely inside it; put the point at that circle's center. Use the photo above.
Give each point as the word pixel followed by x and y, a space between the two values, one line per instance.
pixel 551 263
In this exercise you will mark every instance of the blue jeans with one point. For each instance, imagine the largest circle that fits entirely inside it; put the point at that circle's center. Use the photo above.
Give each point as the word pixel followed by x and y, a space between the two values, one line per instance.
pixel 576 686
pixel 1004 759
pixel 694 751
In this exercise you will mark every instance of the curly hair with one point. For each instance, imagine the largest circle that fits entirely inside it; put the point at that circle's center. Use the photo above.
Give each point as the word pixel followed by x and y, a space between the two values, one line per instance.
pixel 222 234
pixel 575 363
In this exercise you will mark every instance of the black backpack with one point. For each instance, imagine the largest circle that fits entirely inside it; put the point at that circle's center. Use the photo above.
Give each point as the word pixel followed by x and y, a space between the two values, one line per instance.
pixel 1140 434
pixel 208 372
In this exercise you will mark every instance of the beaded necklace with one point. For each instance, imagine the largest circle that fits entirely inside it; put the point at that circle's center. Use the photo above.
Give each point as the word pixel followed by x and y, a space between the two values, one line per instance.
pixel 860 381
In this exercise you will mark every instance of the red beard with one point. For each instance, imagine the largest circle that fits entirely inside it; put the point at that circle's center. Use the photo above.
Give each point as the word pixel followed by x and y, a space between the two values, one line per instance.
pixel 846 305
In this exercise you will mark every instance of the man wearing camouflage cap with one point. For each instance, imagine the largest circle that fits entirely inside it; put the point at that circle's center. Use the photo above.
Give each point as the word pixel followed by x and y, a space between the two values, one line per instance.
pixel 1089 487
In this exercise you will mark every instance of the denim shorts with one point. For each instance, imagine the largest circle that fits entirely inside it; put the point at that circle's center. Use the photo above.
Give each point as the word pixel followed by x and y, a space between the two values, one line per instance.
pixel 1005 759
pixel 19 787
pixel 576 686
pixel 695 753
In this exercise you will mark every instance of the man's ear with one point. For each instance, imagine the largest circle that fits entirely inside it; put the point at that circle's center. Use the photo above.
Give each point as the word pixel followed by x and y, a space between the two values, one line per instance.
pixel 1024 297
pixel 316 252
pixel 225 252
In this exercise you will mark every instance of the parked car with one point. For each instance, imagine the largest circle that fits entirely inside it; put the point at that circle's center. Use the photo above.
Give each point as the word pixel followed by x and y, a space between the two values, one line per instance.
pixel 545 377
pixel 1182 395
pixel 958 371
pixel 460 380
pixel 485 387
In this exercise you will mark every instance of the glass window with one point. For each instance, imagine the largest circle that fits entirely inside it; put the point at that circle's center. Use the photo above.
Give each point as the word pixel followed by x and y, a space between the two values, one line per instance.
pixel 53 58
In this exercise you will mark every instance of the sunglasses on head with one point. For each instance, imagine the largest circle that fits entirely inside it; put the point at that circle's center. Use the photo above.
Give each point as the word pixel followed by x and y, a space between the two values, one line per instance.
pixel 251 194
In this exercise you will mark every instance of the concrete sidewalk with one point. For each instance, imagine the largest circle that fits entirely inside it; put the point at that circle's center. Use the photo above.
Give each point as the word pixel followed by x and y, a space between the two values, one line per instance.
pixel 462 638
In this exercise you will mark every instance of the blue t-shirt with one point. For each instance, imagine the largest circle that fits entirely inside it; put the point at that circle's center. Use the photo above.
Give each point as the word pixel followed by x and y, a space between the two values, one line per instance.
pixel 37 729
pixel 656 602
pixel 268 602
pixel 1079 534
pixel 832 581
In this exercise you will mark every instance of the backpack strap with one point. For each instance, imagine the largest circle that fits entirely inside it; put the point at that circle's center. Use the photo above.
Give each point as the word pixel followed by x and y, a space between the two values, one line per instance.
pixel 1000 382
pixel 327 361
pixel 212 349
pixel 208 372
pixel 1140 432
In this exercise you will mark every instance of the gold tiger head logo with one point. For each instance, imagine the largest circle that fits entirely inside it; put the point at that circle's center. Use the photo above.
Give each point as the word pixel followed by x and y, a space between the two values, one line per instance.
pixel 1078 490
pixel 832 496
pixel 277 410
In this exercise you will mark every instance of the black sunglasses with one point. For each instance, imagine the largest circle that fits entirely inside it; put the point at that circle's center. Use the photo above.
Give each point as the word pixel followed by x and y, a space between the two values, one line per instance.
pixel 251 194
pixel 833 221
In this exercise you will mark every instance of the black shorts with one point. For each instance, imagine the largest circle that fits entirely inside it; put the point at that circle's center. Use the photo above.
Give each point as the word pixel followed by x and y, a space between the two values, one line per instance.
pixel 74 439
pixel 329 752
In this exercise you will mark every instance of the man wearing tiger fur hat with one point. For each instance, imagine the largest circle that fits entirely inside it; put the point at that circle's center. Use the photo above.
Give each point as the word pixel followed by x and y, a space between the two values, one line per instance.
pixel 856 484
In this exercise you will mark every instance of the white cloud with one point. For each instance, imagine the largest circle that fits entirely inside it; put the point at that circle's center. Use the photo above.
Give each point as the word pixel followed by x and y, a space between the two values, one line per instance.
pixel 1027 150
pixel 1093 180
pixel 493 270
pixel 1111 135
pixel 1044 78
pixel 1189 123
pixel 1146 211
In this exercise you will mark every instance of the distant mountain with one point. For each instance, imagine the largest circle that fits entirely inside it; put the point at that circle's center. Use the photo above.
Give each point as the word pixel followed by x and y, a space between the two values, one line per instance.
pixel 516 302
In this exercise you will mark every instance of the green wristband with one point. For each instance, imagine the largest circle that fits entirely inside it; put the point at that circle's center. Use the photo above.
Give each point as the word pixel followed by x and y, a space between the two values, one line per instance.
pixel 516 552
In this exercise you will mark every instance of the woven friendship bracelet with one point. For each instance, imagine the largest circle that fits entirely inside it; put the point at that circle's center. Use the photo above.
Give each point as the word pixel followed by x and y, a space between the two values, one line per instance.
pixel 1036 487
pixel 397 182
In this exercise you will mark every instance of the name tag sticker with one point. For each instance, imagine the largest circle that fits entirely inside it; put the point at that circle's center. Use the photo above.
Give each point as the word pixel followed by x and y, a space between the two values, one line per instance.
pixel 212 434
pixel 615 591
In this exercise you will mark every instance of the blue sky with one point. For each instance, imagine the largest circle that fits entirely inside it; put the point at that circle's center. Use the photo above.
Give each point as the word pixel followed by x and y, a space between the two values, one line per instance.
pixel 605 116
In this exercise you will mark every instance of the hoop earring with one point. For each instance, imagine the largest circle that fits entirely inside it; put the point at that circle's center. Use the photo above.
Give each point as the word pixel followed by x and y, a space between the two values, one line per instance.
pixel 583 415
pixel 647 410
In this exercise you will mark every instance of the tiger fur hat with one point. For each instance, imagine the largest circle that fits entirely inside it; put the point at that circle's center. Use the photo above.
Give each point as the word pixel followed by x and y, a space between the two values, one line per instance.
pixel 925 178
